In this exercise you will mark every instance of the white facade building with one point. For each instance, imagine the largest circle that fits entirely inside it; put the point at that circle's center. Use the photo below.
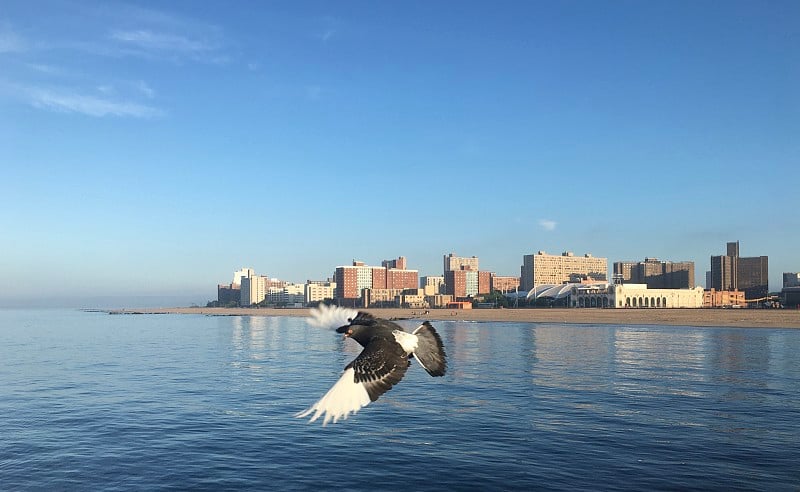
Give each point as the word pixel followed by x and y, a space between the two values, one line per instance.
pixel 318 291
pixel 254 289
pixel 634 296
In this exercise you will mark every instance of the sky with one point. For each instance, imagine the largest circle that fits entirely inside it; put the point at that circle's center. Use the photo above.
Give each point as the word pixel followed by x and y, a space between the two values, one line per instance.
pixel 150 149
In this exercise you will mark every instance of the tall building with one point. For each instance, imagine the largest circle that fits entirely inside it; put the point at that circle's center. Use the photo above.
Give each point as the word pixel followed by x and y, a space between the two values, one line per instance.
pixel 656 274
pixel 243 273
pixel 453 262
pixel 467 283
pixel 463 278
pixel 723 272
pixel 353 279
pixel 542 268
pixel 230 294
pixel 254 289
pixel 752 275
pixel 733 272
pixel 791 279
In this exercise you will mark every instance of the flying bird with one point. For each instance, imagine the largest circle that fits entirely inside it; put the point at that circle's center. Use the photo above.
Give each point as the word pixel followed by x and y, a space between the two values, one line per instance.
pixel 381 364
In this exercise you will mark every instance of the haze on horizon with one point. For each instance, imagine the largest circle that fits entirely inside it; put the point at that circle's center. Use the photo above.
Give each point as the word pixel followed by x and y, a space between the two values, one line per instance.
pixel 152 149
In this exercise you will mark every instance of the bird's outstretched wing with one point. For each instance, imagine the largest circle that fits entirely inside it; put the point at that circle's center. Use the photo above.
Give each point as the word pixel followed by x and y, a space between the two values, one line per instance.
pixel 381 365
pixel 430 350
pixel 325 316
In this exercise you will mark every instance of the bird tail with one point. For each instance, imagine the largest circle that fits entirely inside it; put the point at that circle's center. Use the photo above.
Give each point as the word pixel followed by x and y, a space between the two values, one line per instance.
pixel 430 350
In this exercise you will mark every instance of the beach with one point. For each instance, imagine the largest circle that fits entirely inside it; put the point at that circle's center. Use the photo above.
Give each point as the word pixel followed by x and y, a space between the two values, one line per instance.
pixel 744 318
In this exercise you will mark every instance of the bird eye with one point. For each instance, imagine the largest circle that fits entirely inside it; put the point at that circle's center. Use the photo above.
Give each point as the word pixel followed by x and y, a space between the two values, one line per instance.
pixel 349 320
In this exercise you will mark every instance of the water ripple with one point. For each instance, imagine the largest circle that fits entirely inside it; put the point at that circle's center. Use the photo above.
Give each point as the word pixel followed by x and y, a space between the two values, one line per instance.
pixel 99 402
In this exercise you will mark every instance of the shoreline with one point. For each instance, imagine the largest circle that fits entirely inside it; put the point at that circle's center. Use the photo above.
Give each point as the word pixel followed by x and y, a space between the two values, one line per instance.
pixel 734 318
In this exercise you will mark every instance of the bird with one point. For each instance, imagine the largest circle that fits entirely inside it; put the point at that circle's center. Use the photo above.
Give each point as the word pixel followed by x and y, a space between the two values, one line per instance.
pixel 381 364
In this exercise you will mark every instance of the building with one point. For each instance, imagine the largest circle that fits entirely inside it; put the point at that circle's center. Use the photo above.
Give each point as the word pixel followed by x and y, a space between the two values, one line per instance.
pixel 463 278
pixel 503 284
pixel 353 279
pixel 542 268
pixel 634 296
pixel 413 299
pixel 381 297
pixel 399 263
pixel 254 289
pixel 733 272
pixel 287 295
pixel 752 277
pixel 791 297
pixel 432 284
pixel 453 263
pixel 438 300
pixel 656 274
pixel 467 283
pixel 243 273
pixel 230 294
pixel 723 298
pixel 791 279
pixel 316 291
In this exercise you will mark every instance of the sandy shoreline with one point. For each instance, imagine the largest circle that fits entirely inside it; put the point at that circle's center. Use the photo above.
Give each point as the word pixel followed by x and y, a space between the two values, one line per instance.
pixel 745 318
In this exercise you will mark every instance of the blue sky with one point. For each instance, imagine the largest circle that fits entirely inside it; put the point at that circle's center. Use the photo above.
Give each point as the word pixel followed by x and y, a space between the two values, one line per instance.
pixel 153 148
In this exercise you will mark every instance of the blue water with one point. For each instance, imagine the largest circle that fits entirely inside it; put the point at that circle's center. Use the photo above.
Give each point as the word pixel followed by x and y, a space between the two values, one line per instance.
pixel 92 401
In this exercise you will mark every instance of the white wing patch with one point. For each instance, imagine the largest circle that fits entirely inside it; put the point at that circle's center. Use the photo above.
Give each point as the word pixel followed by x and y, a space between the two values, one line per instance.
pixel 406 340
pixel 344 398
pixel 326 316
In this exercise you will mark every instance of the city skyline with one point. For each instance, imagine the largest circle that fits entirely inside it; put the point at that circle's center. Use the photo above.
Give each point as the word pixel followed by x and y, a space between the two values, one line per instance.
pixel 150 148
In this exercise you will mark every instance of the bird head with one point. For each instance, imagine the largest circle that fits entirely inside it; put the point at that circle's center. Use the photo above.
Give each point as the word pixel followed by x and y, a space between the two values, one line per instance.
pixel 358 326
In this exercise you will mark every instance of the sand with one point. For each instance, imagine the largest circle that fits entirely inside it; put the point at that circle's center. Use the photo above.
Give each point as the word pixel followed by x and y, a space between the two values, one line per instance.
pixel 750 318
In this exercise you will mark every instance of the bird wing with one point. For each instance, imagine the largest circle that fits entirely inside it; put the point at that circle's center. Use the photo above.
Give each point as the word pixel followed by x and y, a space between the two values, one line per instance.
pixel 429 350
pixel 325 316
pixel 381 365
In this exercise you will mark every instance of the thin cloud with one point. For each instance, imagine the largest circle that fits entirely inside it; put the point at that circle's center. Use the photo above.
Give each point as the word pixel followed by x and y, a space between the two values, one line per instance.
pixel 149 40
pixel 89 105
pixel 547 225
pixel 11 42
pixel 46 69
pixel 328 34
pixel 150 44
pixel 145 89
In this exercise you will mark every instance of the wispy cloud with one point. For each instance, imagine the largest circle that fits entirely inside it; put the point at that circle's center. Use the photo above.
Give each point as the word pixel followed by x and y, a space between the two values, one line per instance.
pixel 149 40
pixel 68 102
pixel 11 42
pixel 547 225
pixel 145 89
pixel 328 34
pixel 165 45
pixel 327 28
pixel 45 69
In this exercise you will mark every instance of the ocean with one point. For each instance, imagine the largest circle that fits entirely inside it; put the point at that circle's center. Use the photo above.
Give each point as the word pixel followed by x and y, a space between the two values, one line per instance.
pixel 91 401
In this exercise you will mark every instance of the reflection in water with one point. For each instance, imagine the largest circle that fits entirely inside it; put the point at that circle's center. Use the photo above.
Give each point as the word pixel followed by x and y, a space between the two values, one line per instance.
pixel 193 402
pixel 738 363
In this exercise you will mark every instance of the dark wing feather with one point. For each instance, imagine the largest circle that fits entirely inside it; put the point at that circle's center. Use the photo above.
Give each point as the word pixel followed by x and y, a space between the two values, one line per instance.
pixel 381 365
